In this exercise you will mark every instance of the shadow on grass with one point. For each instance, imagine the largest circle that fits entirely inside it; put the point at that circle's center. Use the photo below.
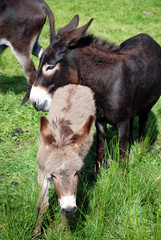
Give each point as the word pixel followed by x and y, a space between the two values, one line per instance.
pixel 17 84
pixel 159 111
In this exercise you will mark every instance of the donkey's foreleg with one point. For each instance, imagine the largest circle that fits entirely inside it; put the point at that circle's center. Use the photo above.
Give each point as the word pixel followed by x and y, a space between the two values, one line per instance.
pixel 101 135
pixel 124 131
pixel 24 58
pixel 43 201
pixel 30 72
pixel 131 131
pixel 142 124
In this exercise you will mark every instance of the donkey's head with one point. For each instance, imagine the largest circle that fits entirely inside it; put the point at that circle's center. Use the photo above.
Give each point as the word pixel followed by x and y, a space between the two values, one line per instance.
pixel 62 160
pixel 55 68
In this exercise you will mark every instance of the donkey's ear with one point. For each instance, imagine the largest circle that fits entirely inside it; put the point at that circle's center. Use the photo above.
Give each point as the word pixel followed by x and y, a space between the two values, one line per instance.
pixel 75 35
pixel 79 137
pixel 71 26
pixel 46 131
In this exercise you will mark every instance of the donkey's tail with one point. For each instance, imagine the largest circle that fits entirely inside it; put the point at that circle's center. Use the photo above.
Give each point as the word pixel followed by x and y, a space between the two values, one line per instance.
pixel 51 21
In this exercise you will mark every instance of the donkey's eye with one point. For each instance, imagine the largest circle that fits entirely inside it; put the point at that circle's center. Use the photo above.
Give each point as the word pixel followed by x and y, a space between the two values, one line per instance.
pixel 53 176
pixel 76 174
pixel 50 67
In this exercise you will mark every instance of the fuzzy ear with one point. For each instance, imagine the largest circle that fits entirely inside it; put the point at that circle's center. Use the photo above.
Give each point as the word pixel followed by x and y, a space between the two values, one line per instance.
pixel 46 131
pixel 79 137
pixel 75 35
pixel 71 26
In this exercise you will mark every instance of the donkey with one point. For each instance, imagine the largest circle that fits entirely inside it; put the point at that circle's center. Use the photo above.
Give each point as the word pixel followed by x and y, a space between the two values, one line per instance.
pixel 65 138
pixel 21 22
pixel 126 80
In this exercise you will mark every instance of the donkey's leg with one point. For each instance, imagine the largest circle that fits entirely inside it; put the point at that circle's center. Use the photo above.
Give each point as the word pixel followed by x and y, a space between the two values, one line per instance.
pixel 36 51
pixel 142 124
pixel 131 130
pixel 43 201
pixel 26 63
pixel 30 72
pixel 28 67
pixel 101 135
pixel 124 130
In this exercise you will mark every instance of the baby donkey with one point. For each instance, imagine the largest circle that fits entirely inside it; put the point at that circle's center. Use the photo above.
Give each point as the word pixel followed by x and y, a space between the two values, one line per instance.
pixel 66 136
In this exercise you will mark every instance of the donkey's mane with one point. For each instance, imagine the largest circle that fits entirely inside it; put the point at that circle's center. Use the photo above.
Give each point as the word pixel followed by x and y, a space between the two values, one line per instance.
pixel 100 44
pixel 63 131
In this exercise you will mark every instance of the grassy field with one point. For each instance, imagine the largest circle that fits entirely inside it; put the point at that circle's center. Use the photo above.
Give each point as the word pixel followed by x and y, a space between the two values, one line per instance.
pixel 120 203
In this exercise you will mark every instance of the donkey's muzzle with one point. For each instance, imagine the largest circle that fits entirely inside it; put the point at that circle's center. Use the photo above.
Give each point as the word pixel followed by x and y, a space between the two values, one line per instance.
pixel 68 204
pixel 40 98
pixel 69 210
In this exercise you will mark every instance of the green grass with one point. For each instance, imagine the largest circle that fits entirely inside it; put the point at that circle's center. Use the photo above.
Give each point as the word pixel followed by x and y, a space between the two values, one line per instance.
pixel 122 202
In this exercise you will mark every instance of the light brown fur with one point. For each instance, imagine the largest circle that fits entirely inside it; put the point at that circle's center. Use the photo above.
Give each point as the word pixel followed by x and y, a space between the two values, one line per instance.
pixel 66 136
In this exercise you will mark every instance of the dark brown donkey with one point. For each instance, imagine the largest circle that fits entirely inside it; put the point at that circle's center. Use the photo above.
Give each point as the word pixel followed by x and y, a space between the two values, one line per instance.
pixel 65 138
pixel 126 80
pixel 21 22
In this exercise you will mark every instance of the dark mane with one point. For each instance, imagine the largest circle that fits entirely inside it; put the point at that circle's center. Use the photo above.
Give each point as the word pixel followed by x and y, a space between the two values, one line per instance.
pixel 100 44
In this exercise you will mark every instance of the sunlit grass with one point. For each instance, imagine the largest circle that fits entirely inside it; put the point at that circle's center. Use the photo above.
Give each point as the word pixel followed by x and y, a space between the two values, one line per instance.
pixel 123 202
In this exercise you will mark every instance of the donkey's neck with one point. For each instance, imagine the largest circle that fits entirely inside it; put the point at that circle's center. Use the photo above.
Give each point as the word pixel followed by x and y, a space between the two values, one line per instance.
pixel 92 62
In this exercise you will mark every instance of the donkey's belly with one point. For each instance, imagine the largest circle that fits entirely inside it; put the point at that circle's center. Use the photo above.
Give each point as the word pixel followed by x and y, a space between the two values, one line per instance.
pixel 113 116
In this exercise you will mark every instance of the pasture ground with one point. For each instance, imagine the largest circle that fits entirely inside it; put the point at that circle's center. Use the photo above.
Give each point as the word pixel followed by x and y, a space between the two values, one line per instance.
pixel 120 203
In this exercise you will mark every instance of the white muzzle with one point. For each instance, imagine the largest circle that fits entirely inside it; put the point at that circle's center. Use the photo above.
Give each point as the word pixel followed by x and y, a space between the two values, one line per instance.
pixel 68 204
pixel 40 98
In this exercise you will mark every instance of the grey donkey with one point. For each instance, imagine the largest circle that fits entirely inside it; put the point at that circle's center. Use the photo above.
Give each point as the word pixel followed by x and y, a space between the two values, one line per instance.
pixel 66 136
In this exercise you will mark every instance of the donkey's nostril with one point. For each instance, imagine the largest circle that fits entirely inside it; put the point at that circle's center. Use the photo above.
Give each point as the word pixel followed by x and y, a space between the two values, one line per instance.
pixel 34 104
pixel 74 209
pixel 69 210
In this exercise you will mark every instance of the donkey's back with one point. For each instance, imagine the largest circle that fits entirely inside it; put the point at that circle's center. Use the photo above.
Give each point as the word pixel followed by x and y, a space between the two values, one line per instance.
pixel 73 104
